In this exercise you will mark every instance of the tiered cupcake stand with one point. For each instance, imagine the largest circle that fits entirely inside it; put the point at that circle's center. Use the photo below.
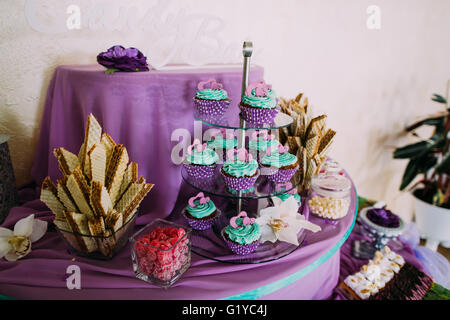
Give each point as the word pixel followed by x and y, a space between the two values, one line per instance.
pixel 209 243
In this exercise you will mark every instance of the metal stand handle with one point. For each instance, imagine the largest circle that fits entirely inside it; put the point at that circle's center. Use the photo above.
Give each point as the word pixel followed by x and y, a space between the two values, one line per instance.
pixel 247 51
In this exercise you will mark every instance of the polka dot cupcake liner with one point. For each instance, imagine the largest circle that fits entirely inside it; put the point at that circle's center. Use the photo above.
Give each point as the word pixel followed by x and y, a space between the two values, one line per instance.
pixel 241 249
pixel 204 224
pixel 200 171
pixel 239 183
pixel 258 115
pixel 282 175
pixel 211 107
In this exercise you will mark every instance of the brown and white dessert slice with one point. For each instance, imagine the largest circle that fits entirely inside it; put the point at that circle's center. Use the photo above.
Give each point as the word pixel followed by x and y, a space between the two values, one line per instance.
pixel 67 160
pixel 80 191
pixel 49 195
pixel 65 196
pixel 108 143
pixel 92 136
pixel 97 163
pixel 115 171
pixel 132 198
pixel 79 225
pixel 130 176
pixel 100 200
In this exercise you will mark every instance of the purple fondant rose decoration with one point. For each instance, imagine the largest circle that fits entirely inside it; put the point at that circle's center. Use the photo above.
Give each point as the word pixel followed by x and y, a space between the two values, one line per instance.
pixel 384 218
pixel 118 58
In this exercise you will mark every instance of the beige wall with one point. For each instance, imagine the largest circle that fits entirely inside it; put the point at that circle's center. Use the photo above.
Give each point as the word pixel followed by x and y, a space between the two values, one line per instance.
pixel 369 82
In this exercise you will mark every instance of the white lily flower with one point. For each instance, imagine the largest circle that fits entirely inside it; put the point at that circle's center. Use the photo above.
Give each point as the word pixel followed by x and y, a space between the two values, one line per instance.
pixel 17 244
pixel 283 222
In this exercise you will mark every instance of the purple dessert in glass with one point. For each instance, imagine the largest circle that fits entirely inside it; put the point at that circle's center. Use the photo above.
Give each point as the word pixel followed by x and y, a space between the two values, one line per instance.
pixel 383 217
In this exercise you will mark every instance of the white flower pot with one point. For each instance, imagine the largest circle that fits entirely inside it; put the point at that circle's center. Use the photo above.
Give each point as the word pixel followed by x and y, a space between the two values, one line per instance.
pixel 433 223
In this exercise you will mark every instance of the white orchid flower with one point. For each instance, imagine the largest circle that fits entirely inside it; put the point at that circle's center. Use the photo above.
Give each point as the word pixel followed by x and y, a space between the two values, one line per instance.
pixel 17 244
pixel 283 222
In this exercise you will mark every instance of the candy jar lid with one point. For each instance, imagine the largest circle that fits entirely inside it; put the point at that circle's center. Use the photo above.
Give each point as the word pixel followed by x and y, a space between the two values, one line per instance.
pixel 335 186
pixel 330 167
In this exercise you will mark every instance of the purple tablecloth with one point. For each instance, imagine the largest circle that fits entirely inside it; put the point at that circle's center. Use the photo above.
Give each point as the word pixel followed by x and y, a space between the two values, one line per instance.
pixel 140 110
pixel 41 274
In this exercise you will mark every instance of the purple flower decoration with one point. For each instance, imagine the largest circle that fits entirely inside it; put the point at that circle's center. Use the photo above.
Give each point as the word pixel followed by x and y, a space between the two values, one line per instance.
pixel 384 218
pixel 118 58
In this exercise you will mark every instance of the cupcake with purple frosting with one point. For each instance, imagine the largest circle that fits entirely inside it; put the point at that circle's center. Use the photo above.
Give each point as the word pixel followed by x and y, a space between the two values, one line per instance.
pixel 201 212
pixel 242 235
pixel 210 98
pixel 200 161
pixel 259 104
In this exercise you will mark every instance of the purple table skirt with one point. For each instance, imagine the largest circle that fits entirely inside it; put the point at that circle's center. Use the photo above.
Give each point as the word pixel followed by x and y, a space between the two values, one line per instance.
pixel 41 274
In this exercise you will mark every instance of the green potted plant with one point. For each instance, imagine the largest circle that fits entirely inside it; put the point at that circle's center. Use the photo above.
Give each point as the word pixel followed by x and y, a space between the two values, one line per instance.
pixel 429 161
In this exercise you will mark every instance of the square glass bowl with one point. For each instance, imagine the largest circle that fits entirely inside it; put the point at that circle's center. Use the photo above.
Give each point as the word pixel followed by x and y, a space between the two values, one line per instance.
pixel 98 247
pixel 161 252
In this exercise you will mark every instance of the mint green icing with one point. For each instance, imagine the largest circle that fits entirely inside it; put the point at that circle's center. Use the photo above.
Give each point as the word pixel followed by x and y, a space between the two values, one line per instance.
pixel 206 157
pixel 201 210
pixel 243 234
pixel 220 143
pixel 240 168
pixel 279 160
pixel 267 102
pixel 212 94
pixel 261 144
pixel 285 196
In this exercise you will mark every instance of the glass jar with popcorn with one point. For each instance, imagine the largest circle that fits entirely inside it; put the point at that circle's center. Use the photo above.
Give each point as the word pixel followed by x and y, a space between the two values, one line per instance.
pixel 161 252
pixel 329 196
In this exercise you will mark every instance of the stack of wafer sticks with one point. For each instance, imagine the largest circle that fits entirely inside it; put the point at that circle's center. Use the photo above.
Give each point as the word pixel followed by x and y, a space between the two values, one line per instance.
pixel 99 192
pixel 307 137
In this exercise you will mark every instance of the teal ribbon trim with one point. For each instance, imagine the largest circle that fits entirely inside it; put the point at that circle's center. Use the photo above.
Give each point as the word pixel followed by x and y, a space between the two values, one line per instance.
pixel 279 284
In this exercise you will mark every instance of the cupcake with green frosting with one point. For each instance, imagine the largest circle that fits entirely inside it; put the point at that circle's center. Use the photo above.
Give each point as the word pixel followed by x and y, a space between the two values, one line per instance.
pixel 289 191
pixel 242 235
pixel 211 99
pixel 259 104
pixel 260 141
pixel 240 171
pixel 279 165
pixel 201 212
pixel 200 161
pixel 222 140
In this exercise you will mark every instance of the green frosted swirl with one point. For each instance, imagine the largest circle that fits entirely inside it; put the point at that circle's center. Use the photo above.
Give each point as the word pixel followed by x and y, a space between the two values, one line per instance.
pixel 261 144
pixel 243 234
pixel 220 142
pixel 285 196
pixel 240 169
pixel 267 102
pixel 201 210
pixel 212 94
pixel 279 160
pixel 206 157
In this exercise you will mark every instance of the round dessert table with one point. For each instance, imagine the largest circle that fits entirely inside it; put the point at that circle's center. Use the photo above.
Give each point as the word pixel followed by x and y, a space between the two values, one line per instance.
pixel 141 110
pixel 310 272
